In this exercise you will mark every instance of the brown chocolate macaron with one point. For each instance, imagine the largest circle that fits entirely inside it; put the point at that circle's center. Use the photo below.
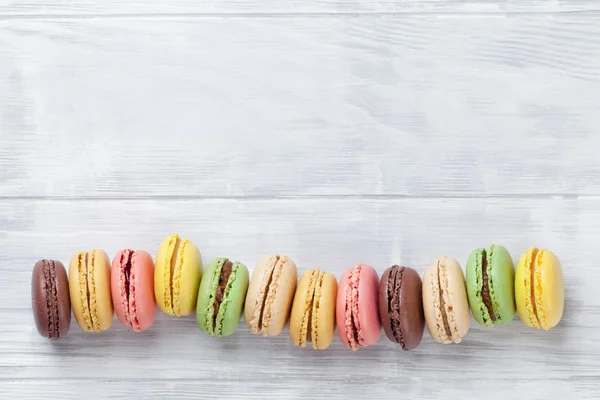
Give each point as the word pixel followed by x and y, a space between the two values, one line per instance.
pixel 50 300
pixel 401 306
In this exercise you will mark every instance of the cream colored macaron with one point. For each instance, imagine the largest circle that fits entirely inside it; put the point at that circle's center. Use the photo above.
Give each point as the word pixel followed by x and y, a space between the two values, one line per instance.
pixel 445 301
pixel 270 295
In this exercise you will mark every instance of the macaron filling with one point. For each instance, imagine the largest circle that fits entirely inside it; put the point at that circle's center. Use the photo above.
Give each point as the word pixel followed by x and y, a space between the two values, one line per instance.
pixel 353 332
pixel 534 261
pixel 50 289
pixel 127 282
pixel 313 317
pixel 224 275
pixel 485 288
pixel 220 315
pixel 306 323
pixel 170 273
pixel 272 285
pixel 85 260
pixel 394 284
pixel 444 315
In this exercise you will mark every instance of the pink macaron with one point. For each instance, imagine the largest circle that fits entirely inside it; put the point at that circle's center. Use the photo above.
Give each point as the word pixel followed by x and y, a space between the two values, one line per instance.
pixel 132 288
pixel 357 307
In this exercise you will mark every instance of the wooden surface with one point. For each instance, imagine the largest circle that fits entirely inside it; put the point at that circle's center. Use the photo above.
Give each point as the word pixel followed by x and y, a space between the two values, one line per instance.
pixel 335 132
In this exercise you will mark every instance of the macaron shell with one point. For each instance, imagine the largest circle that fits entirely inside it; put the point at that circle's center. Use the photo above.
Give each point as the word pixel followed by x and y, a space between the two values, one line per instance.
pixel 323 316
pixel 39 300
pixel 523 289
pixel 384 299
pixel 432 305
pixel 411 318
pixel 119 299
pixel 280 296
pixel 457 308
pixel 368 305
pixel 143 283
pixel 103 298
pixel 233 300
pixel 502 284
pixel 474 278
pixel 257 291
pixel 451 287
pixel 548 288
pixel 205 294
pixel 99 305
pixel 550 279
pixel 185 294
pixel 302 307
pixel 79 304
pixel 340 306
pixel 162 285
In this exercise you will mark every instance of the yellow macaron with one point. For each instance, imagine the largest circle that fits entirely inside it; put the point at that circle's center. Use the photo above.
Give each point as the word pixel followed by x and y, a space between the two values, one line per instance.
pixel 89 287
pixel 539 288
pixel 177 276
pixel 313 311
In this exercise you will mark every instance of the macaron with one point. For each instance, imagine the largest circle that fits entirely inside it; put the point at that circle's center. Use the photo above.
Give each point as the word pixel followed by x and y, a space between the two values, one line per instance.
pixel 132 285
pixel 539 289
pixel 491 285
pixel 177 276
pixel 270 295
pixel 221 297
pixel 50 299
pixel 313 310
pixel 357 307
pixel 401 306
pixel 445 301
pixel 89 286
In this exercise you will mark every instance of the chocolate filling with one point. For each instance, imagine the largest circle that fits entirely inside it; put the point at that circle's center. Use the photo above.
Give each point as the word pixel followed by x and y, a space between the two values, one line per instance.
pixel 443 309
pixel 394 285
pixel 54 301
pixel 51 299
pixel 485 289
pixel 223 278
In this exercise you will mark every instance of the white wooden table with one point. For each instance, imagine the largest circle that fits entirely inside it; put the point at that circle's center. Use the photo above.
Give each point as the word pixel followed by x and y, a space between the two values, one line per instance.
pixel 334 131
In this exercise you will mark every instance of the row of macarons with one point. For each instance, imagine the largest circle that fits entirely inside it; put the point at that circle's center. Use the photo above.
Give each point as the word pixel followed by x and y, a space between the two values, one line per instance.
pixel 359 305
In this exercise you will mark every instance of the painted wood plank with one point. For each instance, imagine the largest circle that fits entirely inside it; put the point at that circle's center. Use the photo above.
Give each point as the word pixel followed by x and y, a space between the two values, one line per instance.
pixel 333 234
pixel 300 107
pixel 399 383
pixel 115 8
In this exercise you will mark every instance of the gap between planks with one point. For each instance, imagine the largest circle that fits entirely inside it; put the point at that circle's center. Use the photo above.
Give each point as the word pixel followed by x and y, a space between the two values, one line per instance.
pixel 292 15
pixel 349 197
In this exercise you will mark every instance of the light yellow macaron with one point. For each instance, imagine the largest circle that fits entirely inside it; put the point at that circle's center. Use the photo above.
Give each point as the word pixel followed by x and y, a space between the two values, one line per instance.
pixel 89 289
pixel 539 289
pixel 177 276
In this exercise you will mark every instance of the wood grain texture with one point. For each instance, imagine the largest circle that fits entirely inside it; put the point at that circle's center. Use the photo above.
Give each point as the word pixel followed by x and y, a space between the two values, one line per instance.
pixel 175 8
pixel 368 106
pixel 333 131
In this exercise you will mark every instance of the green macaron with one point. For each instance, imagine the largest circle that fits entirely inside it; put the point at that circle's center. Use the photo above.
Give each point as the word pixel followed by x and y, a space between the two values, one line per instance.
pixel 221 297
pixel 490 279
